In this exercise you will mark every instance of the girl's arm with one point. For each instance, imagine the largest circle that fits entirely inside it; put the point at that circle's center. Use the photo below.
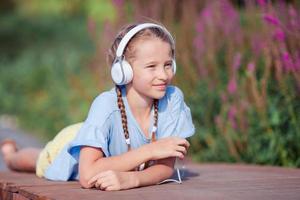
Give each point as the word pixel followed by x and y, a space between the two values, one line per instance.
pixel 114 180
pixel 162 170
pixel 92 162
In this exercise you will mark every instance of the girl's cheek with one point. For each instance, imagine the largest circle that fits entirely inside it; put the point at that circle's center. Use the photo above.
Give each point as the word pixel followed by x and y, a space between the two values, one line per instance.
pixel 171 76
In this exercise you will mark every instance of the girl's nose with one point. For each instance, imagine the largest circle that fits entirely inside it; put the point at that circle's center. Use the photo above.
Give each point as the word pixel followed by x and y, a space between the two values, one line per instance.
pixel 162 73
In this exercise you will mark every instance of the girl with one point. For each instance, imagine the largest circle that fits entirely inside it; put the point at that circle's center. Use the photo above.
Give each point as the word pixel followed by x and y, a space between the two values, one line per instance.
pixel 132 133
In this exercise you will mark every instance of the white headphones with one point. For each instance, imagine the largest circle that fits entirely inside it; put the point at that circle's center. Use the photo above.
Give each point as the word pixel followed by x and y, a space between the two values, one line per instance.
pixel 121 71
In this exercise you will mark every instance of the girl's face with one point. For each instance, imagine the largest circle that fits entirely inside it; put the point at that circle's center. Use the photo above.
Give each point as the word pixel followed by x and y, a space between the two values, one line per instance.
pixel 152 67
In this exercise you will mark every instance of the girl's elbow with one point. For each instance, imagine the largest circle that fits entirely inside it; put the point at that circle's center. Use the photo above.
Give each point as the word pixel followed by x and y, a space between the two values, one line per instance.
pixel 169 172
pixel 84 182
pixel 84 177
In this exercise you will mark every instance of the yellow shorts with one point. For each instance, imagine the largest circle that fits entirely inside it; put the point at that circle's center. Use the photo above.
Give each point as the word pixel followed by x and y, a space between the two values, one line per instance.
pixel 53 147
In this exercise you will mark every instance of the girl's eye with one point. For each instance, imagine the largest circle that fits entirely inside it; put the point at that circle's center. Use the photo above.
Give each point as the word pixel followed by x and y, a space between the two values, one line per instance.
pixel 150 66
pixel 169 65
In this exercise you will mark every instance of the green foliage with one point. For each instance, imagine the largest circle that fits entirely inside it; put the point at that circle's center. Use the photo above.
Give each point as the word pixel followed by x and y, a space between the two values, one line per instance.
pixel 39 65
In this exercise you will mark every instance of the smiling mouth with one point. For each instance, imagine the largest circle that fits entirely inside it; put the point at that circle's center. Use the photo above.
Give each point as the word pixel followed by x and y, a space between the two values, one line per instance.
pixel 160 86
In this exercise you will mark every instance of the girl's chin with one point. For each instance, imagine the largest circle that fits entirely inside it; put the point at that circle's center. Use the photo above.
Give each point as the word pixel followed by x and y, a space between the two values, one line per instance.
pixel 158 94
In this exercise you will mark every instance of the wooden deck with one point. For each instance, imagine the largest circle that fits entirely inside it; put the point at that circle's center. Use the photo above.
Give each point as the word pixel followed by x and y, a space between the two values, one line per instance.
pixel 204 181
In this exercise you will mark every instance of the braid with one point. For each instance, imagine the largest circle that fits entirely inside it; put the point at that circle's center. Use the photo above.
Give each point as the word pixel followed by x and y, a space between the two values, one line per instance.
pixel 155 105
pixel 124 120
pixel 123 114
pixel 153 139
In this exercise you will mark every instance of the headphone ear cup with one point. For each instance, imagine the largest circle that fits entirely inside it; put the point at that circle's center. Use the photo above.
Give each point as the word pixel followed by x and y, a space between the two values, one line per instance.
pixel 174 66
pixel 128 73
pixel 116 73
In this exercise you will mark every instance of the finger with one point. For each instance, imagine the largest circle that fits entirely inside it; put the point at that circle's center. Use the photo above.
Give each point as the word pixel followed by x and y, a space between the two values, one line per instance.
pixel 93 180
pixel 178 154
pixel 106 180
pixel 97 185
pixel 181 149
pixel 99 175
pixel 101 182
pixel 183 142
pixel 111 188
pixel 104 185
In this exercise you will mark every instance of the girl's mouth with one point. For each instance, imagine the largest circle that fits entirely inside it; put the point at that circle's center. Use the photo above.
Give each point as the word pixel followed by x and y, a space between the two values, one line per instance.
pixel 162 86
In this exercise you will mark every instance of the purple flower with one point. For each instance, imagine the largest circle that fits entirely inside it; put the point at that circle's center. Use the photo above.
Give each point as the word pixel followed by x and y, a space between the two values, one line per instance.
pixel 232 116
pixel 279 35
pixel 91 25
pixel 232 112
pixel 207 14
pixel 262 3
pixel 297 63
pixel 229 19
pixel 199 26
pixel 293 16
pixel 251 67
pixel 237 61
pixel 232 86
pixel 199 44
pixel 118 3
pixel 292 11
pixel 271 19
pixel 228 10
pixel 223 97
pixel 287 61
pixel 257 45
pixel 218 120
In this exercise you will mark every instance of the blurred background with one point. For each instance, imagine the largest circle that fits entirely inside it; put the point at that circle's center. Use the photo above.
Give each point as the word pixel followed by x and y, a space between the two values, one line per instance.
pixel 238 66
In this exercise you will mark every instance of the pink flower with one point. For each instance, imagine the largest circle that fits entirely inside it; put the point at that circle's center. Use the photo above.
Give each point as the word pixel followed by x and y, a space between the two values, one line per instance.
pixel 228 10
pixel 232 116
pixel 118 3
pixel 271 19
pixel 232 86
pixel 293 16
pixel 237 61
pixel 223 97
pixel 292 12
pixel 287 62
pixel 218 121
pixel 262 3
pixel 297 63
pixel 207 14
pixel 199 26
pixel 251 67
pixel 91 25
pixel 279 35
pixel 257 45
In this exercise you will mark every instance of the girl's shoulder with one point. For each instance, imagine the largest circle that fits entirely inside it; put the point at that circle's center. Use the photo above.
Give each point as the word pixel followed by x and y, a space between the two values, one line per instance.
pixel 173 100
pixel 174 115
pixel 104 104
pixel 173 94
pixel 108 98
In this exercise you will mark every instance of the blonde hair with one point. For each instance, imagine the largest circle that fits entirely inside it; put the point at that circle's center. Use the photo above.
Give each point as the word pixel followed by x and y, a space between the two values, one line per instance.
pixel 152 32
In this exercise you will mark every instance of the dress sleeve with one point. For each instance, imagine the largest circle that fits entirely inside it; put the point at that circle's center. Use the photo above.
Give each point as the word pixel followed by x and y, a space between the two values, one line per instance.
pixel 95 130
pixel 177 121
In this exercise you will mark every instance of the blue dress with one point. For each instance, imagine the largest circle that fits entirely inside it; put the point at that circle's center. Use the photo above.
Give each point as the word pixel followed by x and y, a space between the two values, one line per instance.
pixel 103 129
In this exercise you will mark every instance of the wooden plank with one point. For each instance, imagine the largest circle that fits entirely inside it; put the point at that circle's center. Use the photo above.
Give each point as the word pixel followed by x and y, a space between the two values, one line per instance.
pixel 205 181
pixel 17 196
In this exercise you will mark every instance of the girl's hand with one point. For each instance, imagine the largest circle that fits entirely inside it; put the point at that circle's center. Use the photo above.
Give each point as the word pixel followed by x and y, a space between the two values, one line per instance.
pixel 169 147
pixel 113 180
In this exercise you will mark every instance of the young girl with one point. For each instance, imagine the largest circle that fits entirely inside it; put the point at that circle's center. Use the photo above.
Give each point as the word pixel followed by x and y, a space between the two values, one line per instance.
pixel 132 133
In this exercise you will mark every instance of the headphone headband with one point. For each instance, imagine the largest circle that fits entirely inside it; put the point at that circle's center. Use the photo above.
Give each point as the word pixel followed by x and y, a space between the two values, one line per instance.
pixel 135 30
